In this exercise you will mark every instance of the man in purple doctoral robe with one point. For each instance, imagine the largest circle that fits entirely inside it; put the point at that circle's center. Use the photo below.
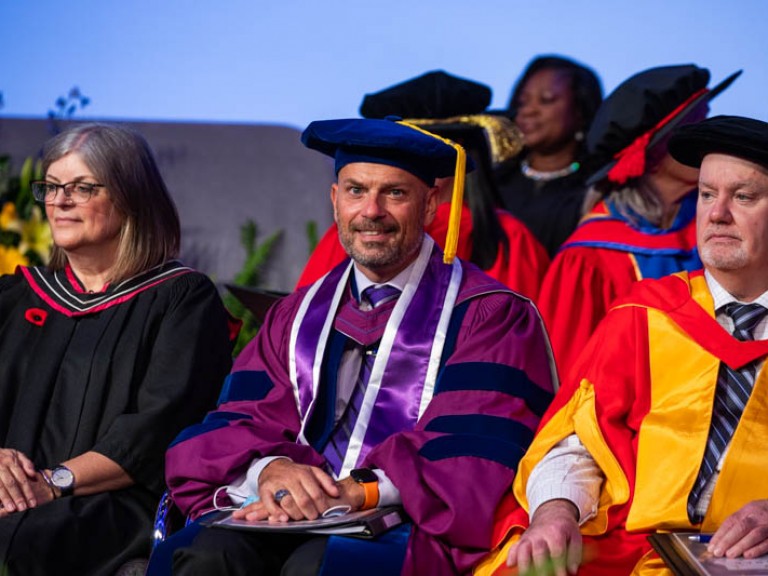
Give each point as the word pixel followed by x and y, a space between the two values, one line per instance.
pixel 395 379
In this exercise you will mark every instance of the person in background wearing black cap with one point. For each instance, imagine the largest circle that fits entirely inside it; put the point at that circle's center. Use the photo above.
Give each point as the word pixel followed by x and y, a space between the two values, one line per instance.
pixel 663 424
pixel 500 244
pixel 402 376
pixel 553 103
pixel 643 223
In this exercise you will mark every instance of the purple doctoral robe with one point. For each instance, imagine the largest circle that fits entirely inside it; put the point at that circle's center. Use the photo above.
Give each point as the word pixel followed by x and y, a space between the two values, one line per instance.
pixel 454 457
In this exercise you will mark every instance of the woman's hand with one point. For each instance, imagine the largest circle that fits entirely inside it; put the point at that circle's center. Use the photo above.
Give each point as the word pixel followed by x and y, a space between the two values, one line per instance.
pixel 21 485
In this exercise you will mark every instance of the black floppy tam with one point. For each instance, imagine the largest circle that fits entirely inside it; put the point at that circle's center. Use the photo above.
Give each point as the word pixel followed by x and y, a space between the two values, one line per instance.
pixel 745 138
pixel 640 112
pixel 435 94
pixel 450 106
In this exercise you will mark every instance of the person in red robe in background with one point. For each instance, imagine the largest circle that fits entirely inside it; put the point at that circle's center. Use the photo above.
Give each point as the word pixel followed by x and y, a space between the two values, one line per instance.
pixel 490 237
pixel 642 223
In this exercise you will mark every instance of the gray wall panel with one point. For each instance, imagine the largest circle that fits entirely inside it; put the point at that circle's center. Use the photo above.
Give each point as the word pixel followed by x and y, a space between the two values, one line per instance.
pixel 220 175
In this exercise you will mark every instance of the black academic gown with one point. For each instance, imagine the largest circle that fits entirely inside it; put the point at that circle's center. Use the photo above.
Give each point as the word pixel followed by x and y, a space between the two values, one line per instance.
pixel 119 373
pixel 551 210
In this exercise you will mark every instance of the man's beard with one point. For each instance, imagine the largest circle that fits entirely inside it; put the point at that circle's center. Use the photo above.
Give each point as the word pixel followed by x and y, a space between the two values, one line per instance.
pixel 720 259
pixel 719 256
pixel 376 254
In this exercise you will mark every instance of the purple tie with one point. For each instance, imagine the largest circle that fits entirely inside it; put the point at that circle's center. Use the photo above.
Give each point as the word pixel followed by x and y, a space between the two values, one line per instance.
pixel 336 448
pixel 731 395
pixel 378 295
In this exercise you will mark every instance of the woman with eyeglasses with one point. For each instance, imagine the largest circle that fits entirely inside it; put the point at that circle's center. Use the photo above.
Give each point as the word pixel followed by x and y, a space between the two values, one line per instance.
pixel 105 355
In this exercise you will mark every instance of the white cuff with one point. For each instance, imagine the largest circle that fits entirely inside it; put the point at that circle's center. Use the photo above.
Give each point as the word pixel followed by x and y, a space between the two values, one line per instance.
pixel 567 472
pixel 582 499
pixel 248 484
pixel 388 494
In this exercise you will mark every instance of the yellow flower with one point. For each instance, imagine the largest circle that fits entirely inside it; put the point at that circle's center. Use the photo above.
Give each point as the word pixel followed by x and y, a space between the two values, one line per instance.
pixel 9 220
pixel 10 258
pixel 36 235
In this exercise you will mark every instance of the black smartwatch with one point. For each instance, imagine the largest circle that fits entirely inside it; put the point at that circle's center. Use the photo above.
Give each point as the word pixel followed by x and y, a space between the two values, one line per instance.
pixel 370 482
pixel 63 479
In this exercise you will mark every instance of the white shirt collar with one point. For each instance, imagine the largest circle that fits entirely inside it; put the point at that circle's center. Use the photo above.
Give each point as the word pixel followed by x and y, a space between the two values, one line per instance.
pixel 398 281
pixel 722 297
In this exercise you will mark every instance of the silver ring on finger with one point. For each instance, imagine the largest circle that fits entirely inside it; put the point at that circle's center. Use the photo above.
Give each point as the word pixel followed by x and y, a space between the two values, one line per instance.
pixel 280 494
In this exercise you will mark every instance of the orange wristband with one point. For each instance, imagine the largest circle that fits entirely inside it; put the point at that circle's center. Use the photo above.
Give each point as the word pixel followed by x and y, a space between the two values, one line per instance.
pixel 371 494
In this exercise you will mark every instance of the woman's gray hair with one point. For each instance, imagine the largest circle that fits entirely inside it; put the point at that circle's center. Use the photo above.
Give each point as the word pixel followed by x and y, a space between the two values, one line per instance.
pixel 631 201
pixel 121 159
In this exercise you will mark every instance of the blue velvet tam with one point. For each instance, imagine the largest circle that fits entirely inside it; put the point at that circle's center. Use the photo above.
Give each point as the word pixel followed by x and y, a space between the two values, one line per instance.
pixel 382 141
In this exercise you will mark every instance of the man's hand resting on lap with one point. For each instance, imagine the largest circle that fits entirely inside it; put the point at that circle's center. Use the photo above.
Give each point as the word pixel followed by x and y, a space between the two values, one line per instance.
pixel 311 491
pixel 552 542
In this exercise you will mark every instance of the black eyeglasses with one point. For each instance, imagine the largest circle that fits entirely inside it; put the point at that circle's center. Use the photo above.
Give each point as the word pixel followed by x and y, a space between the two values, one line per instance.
pixel 76 192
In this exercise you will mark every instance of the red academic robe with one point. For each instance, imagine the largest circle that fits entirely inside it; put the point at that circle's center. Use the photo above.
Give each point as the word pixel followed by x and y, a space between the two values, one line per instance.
pixel 523 270
pixel 643 411
pixel 599 263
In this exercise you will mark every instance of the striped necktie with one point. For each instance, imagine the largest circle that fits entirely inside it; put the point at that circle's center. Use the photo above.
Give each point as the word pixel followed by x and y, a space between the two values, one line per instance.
pixel 731 395
pixel 378 295
pixel 336 448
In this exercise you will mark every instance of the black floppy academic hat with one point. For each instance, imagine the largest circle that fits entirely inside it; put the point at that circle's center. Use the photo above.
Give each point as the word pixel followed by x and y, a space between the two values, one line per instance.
pixel 436 94
pixel 640 112
pixel 450 106
pixel 732 135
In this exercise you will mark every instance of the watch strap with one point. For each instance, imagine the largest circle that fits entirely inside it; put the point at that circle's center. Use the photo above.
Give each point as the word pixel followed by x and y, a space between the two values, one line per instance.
pixel 368 479
pixel 371 494
pixel 47 480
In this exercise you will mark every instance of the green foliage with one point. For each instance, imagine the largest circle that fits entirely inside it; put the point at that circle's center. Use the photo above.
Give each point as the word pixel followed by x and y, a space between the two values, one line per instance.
pixel 312 237
pixel 24 233
pixel 18 189
pixel 5 175
pixel 256 257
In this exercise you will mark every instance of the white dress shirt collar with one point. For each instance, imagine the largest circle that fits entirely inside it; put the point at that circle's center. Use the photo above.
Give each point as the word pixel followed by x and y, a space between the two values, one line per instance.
pixel 722 297
pixel 398 281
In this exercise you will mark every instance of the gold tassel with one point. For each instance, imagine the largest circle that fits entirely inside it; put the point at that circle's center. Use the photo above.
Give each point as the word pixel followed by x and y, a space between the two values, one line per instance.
pixel 457 198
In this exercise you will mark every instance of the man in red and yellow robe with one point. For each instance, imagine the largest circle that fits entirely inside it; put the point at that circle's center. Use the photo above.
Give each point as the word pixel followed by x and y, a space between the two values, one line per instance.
pixel 638 408
pixel 642 412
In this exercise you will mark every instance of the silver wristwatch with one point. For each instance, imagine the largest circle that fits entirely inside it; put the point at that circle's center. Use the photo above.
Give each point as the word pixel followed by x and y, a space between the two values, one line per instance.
pixel 63 479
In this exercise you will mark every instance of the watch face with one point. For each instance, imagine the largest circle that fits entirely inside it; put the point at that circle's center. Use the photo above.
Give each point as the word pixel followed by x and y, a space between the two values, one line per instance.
pixel 363 475
pixel 62 477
